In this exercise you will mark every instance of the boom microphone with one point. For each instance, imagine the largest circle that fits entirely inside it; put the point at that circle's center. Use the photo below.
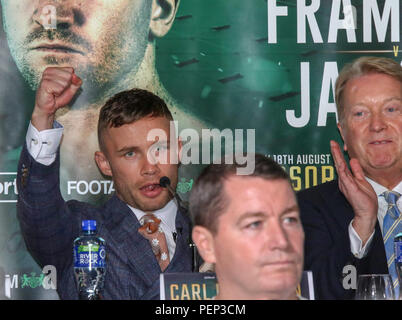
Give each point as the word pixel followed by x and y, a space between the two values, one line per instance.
pixel 164 182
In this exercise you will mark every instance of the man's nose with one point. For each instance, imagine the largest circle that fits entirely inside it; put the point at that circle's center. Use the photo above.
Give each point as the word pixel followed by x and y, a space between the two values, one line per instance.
pixel 149 167
pixel 277 237
pixel 377 122
pixel 58 14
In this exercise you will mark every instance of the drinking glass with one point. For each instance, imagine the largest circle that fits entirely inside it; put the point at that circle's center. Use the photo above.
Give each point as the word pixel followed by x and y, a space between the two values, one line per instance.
pixel 375 287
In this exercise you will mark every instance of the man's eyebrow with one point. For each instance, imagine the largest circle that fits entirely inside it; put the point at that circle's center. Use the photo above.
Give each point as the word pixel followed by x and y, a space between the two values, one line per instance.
pixel 251 214
pixel 392 98
pixel 128 149
pixel 259 214
pixel 136 148
pixel 290 210
pixel 385 101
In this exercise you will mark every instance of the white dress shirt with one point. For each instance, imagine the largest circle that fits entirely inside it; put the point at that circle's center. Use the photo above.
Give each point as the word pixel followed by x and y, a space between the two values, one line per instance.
pixel 43 145
pixel 356 244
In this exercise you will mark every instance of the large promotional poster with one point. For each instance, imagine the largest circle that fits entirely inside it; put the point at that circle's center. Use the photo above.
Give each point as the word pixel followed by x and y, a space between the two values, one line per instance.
pixel 257 73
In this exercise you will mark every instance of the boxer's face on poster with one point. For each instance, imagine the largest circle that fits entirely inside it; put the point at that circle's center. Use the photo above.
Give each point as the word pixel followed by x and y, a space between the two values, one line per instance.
pixel 101 39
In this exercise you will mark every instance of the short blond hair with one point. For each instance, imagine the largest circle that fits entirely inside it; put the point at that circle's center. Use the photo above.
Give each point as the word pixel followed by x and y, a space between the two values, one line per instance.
pixel 361 67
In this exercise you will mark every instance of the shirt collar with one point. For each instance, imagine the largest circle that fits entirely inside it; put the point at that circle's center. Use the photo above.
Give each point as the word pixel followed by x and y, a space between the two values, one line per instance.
pixel 167 214
pixel 379 189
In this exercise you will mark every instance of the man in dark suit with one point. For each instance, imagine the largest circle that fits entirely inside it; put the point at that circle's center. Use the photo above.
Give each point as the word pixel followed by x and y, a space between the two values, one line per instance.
pixel 346 221
pixel 133 159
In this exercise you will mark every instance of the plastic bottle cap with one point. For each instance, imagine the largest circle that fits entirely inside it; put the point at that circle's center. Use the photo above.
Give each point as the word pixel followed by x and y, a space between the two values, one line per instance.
pixel 88 225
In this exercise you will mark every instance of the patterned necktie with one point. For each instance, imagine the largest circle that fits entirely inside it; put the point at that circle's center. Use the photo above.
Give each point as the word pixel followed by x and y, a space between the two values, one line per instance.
pixel 392 226
pixel 151 231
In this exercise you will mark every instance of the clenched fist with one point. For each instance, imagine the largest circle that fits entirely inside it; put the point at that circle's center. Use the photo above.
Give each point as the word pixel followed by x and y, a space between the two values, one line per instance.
pixel 56 89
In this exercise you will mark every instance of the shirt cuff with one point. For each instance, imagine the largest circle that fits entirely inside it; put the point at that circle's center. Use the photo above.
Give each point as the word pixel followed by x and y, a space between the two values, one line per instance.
pixel 43 145
pixel 356 243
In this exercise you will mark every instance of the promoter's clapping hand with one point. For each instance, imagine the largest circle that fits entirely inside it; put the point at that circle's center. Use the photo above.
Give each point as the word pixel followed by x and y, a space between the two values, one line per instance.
pixel 359 193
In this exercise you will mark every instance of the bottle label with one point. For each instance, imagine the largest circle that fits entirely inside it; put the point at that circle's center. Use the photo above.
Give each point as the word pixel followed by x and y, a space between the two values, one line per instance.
pixel 89 256
pixel 398 251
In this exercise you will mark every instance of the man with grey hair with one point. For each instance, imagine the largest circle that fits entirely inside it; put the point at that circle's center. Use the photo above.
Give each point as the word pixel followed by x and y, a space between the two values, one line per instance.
pixel 351 222
pixel 248 226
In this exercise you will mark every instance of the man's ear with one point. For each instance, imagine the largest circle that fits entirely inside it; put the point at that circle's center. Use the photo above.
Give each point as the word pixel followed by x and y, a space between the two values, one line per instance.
pixel 203 239
pixel 103 163
pixel 345 148
pixel 162 16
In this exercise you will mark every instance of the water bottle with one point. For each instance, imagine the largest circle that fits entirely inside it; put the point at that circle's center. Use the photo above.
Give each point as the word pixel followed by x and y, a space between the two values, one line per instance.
pixel 398 259
pixel 89 262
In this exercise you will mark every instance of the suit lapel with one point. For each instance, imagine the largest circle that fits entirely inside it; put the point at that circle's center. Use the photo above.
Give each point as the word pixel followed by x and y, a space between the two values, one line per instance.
pixel 345 205
pixel 123 226
pixel 342 211
pixel 378 255
pixel 181 257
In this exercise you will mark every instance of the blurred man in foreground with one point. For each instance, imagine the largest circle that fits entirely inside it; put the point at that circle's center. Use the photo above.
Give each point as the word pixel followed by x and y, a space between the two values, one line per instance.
pixel 249 227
